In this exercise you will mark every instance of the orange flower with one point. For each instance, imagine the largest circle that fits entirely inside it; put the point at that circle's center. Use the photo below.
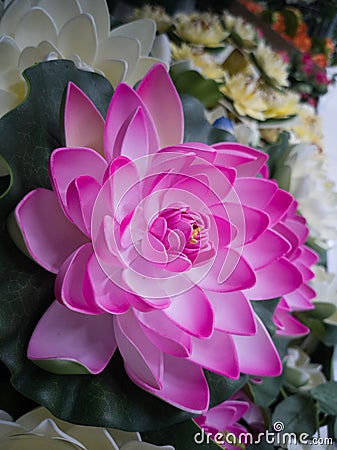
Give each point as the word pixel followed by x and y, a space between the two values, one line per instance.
pixel 252 6
pixel 320 59
pixel 302 42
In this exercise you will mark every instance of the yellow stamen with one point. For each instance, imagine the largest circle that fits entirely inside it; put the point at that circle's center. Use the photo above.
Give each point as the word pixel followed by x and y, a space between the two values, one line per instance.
pixel 195 232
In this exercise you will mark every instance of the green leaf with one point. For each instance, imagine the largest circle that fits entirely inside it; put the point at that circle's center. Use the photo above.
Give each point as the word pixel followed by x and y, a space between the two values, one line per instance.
pixel 330 337
pixel 326 397
pixel 297 413
pixel 185 436
pixel 322 310
pixel 265 310
pixel 278 152
pixel 193 83
pixel 222 388
pixel 282 176
pixel 265 393
pixel 28 136
pixel 290 22
pixel 197 127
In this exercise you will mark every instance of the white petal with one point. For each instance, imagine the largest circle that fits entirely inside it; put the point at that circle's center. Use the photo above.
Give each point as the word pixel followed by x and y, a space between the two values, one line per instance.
pixel 46 48
pixel 144 446
pixel 92 437
pixel 61 10
pixel 122 437
pixel 121 48
pixel 142 67
pixel 9 52
pixel 29 57
pixel 100 12
pixel 161 49
pixel 5 416
pixel 114 70
pixel 144 30
pixel 12 16
pixel 78 36
pixel 8 101
pixel 36 26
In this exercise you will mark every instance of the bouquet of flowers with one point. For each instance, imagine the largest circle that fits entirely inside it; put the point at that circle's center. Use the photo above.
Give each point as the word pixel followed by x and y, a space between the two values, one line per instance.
pixel 158 275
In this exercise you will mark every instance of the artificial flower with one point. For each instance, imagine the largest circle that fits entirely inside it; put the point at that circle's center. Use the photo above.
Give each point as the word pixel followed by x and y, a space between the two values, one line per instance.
pixel 325 285
pixel 221 424
pixel 241 29
pixel 201 61
pixel 163 244
pixel 200 29
pixel 31 32
pixel 272 64
pixel 40 430
pixel 300 373
pixel 243 91
pixel 280 105
pixel 156 13
pixel 314 191
pixel 308 126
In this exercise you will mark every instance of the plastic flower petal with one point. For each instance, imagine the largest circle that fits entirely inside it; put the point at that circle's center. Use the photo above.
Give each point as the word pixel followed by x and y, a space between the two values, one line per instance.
pixel 31 32
pixel 171 248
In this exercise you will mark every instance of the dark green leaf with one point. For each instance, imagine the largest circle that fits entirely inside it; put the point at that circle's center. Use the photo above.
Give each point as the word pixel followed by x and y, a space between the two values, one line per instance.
pixel 278 152
pixel 221 388
pixel 326 397
pixel 185 436
pixel 297 413
pixel 265 310
pixel 193 83
pixel 28 135
pixel 290 22
pixel 265 393
pixel 322 311
pixel 330 337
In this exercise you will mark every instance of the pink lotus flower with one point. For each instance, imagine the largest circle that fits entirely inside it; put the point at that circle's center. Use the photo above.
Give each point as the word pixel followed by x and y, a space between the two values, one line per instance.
pixel 157 247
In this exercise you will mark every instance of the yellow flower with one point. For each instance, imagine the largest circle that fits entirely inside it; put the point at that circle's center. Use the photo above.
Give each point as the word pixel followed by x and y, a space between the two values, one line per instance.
pixel 244 30
pixel 200 29
pixel 308 126
pixel 272 65
pixel 156 13
pixel 203 62
pixel 280 105
pixel 245 95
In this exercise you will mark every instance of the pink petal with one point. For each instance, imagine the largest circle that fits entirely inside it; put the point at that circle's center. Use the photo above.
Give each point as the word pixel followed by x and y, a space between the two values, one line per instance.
pixel 278 278
pixel 217 354
pixel 49 236
pixel 233 313
pixel 66 164
pixel 162 101
pixel 83 123
pixel 300 299
pixel 257 354
pixel 255 192
pixel 80 198
pixel 164 334
pixel 66 335
pixel 288 325
pixel 99 290
pixel 184 385
pixel 132 140
pixel 265 249
pixel 192 312
pixel 278 206
pixel 69 281
pixel 124 103
pixel 143 358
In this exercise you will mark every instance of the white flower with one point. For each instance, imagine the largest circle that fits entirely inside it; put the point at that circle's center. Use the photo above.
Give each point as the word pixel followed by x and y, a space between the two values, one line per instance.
pixel 39 430
pixel 32 31
pixel 272 64
pixel 325 286
pixel 314 191
pixel 244 30
pixel 300 373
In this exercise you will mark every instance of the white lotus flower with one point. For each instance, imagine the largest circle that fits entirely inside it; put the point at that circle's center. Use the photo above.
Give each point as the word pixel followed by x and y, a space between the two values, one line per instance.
pixel 325 285
pixel 39 430
pixel 32 31
pixel 314 191
pixel 300 372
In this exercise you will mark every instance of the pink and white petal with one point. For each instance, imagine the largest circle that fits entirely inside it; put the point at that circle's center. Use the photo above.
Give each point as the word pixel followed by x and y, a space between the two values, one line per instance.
pixel 162 101
pixel 278 278
pixel 132 140
pixel 78 37
pixel 34 27
pixel 184 385
pixel 288 325
pixel 80 199
pixel 61 11
pixel 101 291
pixel 308 257
pixel 125 102
pixel 248 169
pixel 217 354
pixel 255 192
pixel 12 15
pixel 164 334
pixel 83 123
pixel 66 164
pixel 65 335
pixel 69 282
pixel 233 313
pixel 100 12
pixel 265 249
pixel 300 299
pixel 143 358
pixel 49 236
pixel 192 312
pixel 144 30
pixel 257 354
pixel 278 206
